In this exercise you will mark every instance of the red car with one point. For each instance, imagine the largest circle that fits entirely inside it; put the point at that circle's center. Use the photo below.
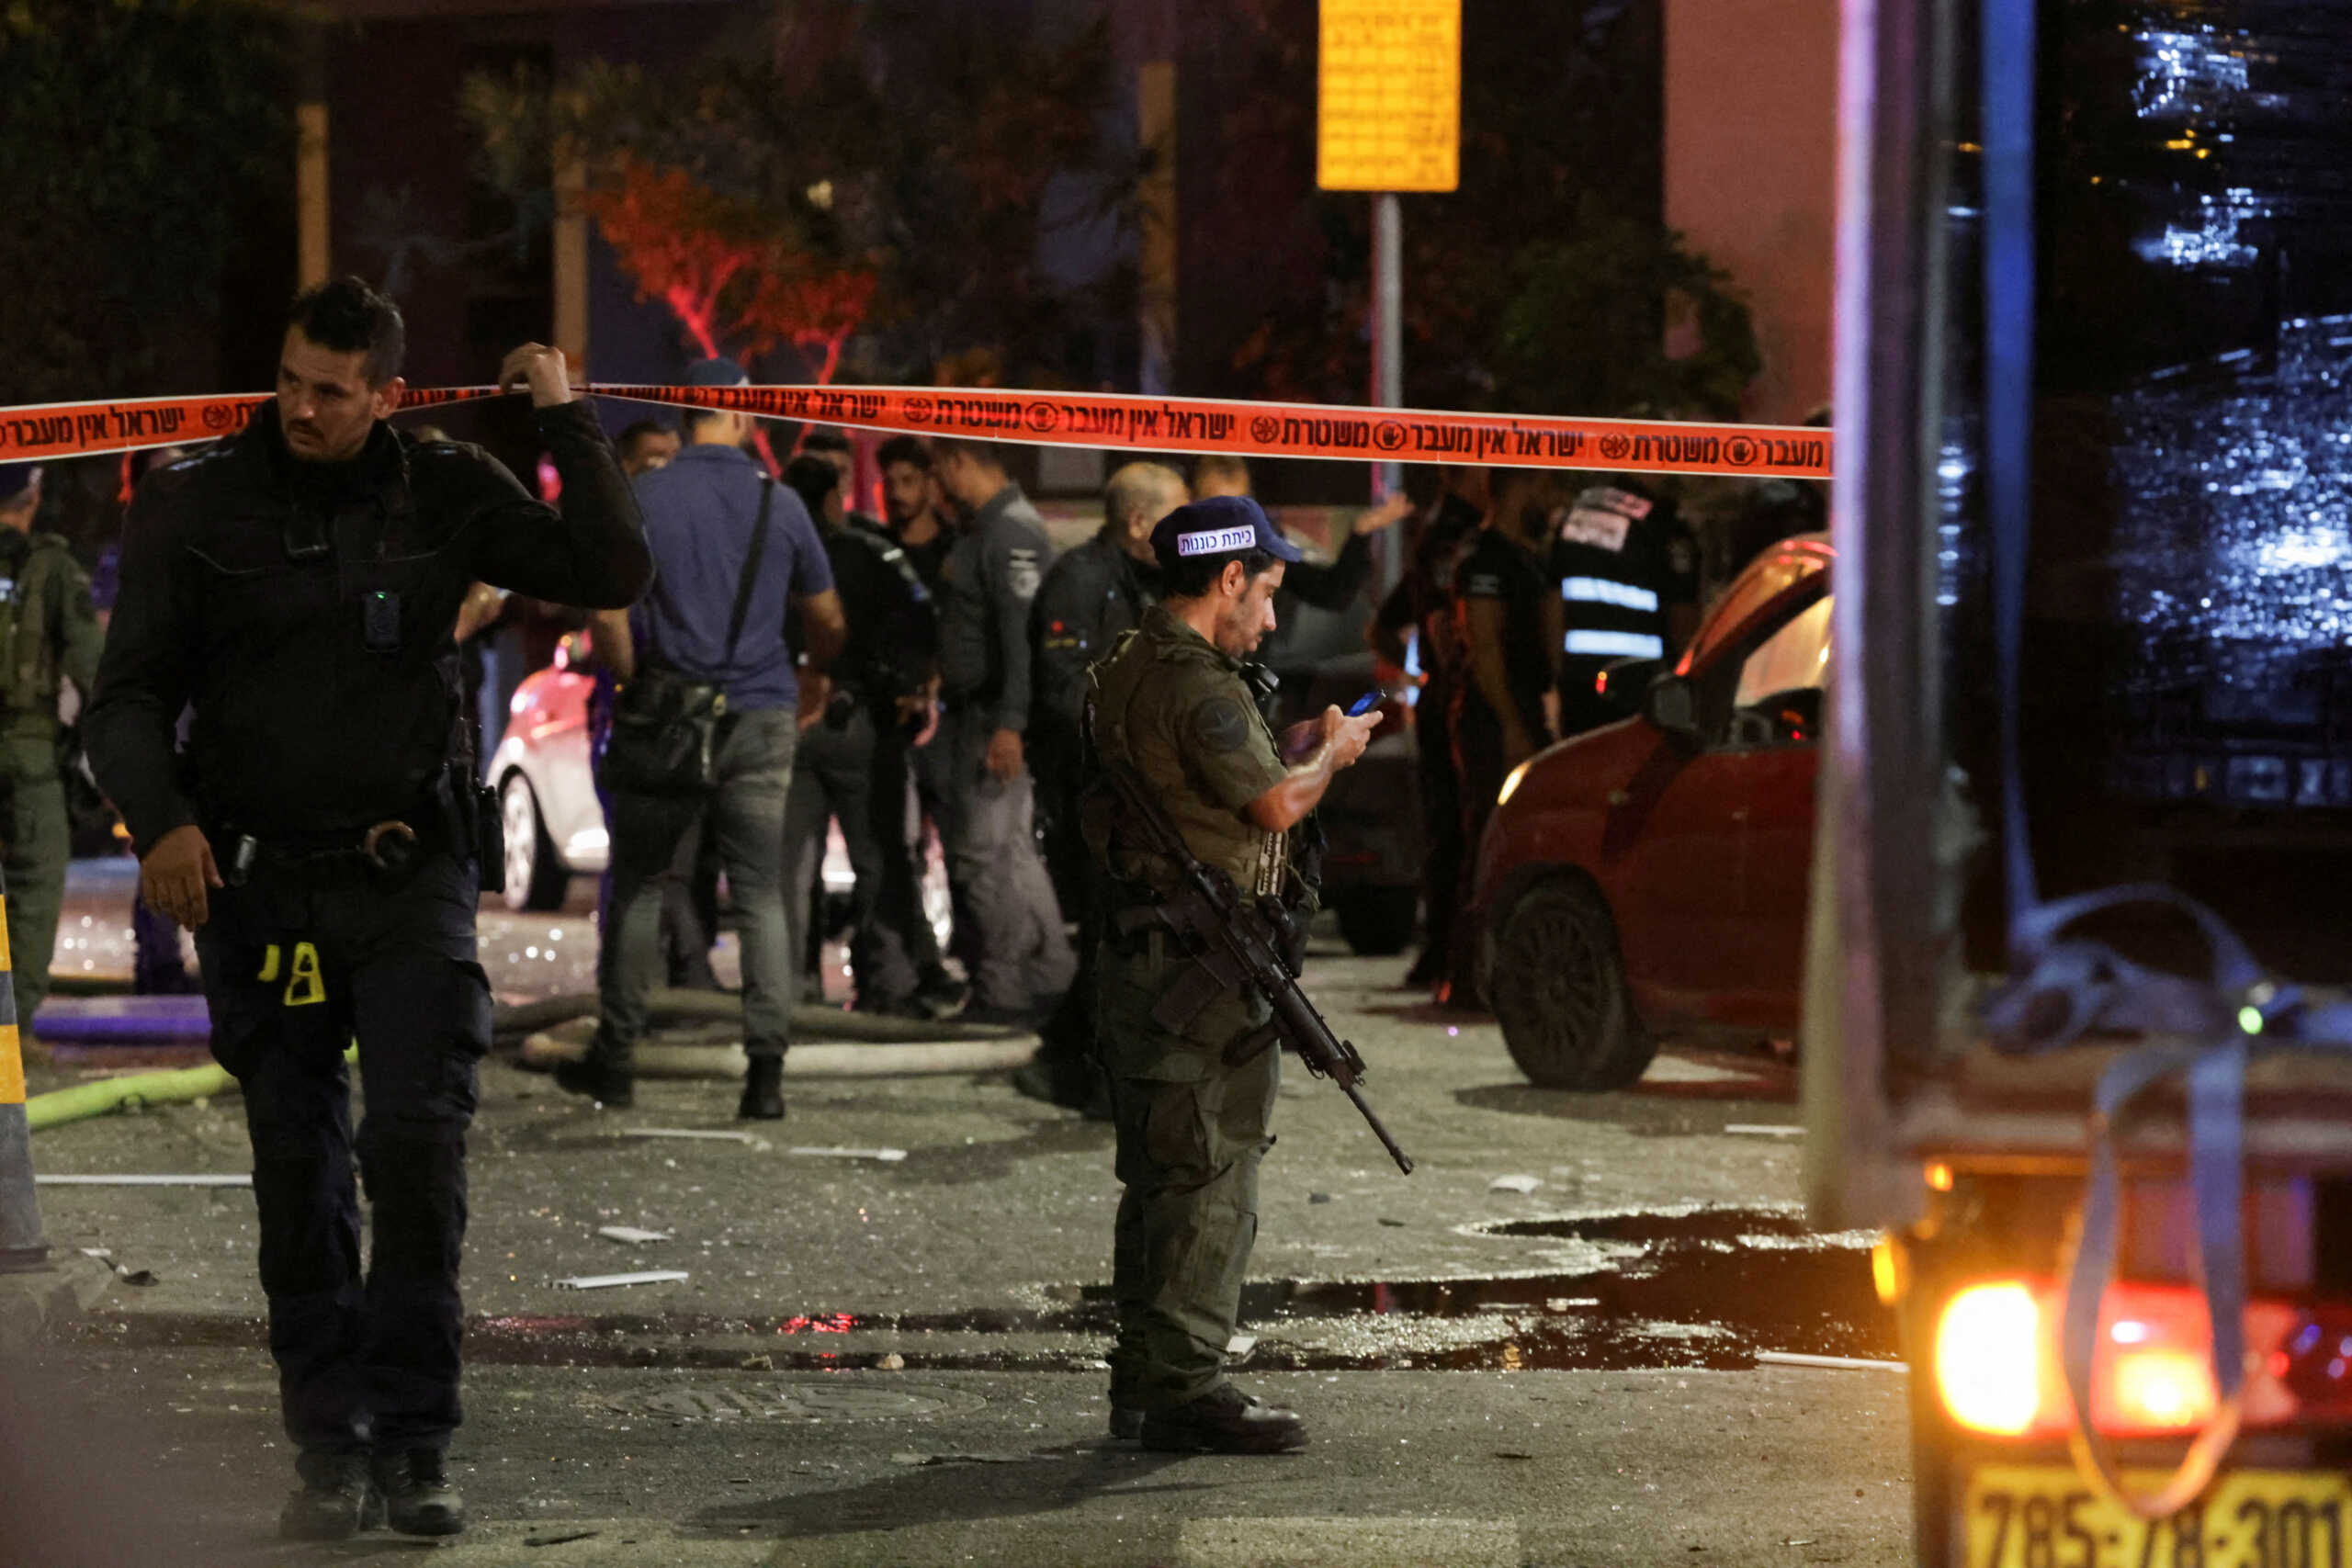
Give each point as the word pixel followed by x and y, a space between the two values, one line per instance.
pixel 1651 876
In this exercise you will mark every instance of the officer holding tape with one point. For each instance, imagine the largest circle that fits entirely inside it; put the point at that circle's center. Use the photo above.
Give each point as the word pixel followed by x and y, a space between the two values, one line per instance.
pixel 324 837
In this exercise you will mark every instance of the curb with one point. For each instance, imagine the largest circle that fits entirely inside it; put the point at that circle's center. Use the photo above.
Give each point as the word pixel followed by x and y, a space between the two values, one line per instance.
pixel 724 1058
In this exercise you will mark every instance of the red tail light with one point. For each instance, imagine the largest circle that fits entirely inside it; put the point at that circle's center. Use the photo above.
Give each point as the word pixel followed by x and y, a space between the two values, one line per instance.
pixel 1997 1372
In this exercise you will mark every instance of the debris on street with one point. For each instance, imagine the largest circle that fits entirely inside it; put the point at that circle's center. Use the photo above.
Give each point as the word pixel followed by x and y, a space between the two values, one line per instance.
pixel 1514 1184
pixel 606 1281
pixel 631 1234
pixel 888 1155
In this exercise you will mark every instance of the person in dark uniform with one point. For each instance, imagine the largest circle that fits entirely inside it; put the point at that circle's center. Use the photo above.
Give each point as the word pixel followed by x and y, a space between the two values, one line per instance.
pixel 1091 596
pixel 1415 630
pixel 880 679
pixel 1173 705
pixel 1509 624
pixel 914 517
pixel 1627 571
pixel 322 836
pixel 1007 917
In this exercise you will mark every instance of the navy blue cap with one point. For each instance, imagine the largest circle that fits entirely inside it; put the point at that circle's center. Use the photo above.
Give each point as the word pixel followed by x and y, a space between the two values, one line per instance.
pixel 17 477
pixel 1220 525
pixel 716 373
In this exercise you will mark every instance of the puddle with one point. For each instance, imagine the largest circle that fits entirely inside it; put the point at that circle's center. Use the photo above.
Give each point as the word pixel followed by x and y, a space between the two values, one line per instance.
pixel 1704 1287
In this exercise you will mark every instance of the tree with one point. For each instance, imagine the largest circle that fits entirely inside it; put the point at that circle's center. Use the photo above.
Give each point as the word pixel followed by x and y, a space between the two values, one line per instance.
pixel 1546 284
pixel 127 122
pixel 848 180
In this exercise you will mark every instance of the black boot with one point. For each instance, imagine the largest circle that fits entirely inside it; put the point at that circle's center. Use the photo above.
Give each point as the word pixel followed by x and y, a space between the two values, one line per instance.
pixel 939 996
pixel 599 1077
pixel 1225 1421
pixel 762 1090
pixel 418 1499
pixel 334 1503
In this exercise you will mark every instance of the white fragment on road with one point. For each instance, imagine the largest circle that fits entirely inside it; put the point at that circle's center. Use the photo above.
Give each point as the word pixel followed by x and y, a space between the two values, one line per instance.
pixel 606 1282
pixel 1358 1542
pixel 1514 1184
pixel 1241 1345
pixel 1764 1130
pixel 630 1234
pixel 703 1134
pixel 1830 1363
pixel 888 1155
pixel 44 1180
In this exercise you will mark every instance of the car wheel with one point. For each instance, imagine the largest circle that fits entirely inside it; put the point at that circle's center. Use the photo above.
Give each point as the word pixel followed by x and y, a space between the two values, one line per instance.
pixel 1557 986
pixel 1377 922
pixel 536 878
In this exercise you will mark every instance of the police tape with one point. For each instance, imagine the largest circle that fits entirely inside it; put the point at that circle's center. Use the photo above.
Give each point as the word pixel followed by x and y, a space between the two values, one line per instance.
pixel 1120 422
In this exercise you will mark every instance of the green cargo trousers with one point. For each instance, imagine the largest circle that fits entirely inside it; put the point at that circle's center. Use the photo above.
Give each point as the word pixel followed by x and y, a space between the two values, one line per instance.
pixel 39 841
pixel 1192 1131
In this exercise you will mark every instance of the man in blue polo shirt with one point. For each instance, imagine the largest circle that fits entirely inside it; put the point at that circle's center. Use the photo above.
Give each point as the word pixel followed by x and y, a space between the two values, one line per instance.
pixel 713 520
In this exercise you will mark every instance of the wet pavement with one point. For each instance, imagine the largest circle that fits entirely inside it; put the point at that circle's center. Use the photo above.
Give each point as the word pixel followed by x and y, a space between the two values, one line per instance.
pixel 873 1361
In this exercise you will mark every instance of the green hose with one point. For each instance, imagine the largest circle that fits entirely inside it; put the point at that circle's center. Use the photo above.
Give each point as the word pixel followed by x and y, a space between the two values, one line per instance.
pixel 131 1091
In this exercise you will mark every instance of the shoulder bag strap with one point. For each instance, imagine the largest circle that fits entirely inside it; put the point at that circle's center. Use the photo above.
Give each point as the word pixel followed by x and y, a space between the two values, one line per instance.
pixel 750 572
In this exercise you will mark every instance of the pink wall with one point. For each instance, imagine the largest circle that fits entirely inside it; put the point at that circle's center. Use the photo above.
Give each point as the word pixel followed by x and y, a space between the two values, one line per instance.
pixel 1752 154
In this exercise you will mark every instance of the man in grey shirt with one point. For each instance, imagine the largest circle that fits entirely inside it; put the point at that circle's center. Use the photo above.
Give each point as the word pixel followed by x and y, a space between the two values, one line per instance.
pixel 1009 926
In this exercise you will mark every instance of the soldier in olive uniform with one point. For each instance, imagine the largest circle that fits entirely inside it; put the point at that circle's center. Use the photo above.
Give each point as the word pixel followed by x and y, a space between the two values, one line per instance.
pixel 1172 703
pixel 49 628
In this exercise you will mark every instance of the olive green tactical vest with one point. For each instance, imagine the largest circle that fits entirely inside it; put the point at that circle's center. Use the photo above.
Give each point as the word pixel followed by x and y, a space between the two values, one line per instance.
pixel 1139 696
pixel 28 661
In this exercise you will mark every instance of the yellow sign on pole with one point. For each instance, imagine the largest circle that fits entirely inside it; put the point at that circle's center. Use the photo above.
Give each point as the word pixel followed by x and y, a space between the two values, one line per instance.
pixel 1389 109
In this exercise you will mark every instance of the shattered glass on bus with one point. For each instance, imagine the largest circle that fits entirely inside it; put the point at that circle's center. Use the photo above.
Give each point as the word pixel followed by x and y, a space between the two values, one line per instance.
pixel 2187 674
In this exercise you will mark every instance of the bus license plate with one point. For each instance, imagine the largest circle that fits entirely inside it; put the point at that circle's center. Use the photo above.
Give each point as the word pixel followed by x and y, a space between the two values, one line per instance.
pixel 2049 1516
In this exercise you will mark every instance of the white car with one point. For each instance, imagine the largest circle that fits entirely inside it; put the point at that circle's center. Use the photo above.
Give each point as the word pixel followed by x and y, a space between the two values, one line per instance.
pixel 555 825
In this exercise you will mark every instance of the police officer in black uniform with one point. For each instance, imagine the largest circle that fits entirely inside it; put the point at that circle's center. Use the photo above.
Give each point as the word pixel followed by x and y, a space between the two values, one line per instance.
pixel 1509 626
pixel 1091 596
pixel 323 835
pixel 879 680
pixel 1448 506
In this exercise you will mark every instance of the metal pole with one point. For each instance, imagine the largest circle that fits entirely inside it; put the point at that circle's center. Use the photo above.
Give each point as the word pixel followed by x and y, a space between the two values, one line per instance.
pixel 1388 355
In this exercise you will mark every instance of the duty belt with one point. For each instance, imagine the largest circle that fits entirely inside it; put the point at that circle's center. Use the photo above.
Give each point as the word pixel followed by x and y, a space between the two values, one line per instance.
pixel 386 854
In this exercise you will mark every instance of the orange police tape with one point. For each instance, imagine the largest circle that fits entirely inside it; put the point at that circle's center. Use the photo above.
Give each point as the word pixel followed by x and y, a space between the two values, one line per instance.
pixel 1113 420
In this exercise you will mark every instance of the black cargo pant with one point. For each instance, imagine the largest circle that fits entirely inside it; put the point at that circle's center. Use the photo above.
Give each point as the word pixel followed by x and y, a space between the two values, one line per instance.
pixel 833 778
pixel 294 969
pixel 902 925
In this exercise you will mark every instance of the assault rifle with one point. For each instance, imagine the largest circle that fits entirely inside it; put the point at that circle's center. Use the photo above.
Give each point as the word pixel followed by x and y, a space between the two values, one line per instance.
pixel 1235 944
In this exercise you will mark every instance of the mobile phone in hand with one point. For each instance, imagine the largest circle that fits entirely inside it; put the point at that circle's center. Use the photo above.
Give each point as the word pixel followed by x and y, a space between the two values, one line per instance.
pixel 1365 704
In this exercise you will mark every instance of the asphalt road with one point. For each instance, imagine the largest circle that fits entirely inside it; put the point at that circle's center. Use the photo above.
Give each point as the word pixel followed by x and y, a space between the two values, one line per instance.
pixel 896 1361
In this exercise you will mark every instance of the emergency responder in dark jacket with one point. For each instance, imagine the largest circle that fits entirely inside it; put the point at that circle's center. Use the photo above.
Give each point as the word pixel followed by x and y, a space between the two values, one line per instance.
pixel 1628 575
pixel 324 837
pixel 1090 597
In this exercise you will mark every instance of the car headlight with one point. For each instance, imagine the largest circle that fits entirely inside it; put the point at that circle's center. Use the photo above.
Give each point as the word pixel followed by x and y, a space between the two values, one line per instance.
pixel 1511 785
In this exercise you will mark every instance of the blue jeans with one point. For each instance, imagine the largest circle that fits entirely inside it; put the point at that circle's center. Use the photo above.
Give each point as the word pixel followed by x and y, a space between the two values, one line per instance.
pixel 655 841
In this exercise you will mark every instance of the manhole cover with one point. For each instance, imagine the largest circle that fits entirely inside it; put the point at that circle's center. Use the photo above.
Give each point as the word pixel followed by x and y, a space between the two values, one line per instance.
pixel 821 1399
